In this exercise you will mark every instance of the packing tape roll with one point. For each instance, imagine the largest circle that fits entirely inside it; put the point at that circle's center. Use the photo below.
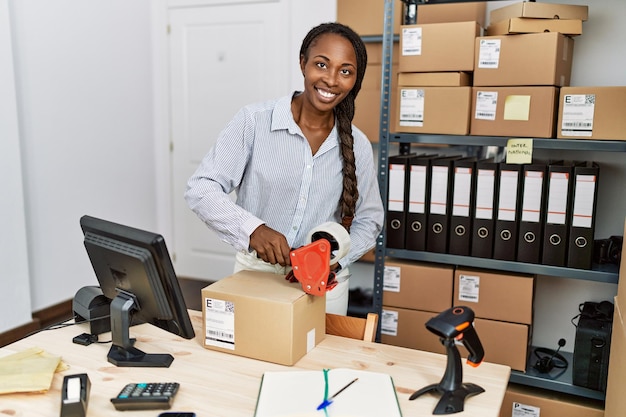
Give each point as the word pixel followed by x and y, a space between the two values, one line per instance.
pixel 336 234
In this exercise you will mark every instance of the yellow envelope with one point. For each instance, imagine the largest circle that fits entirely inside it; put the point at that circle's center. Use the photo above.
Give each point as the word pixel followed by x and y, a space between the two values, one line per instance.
pixel 28 371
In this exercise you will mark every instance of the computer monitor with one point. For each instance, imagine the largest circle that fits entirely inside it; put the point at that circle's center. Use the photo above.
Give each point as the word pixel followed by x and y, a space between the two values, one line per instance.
pixel 135 272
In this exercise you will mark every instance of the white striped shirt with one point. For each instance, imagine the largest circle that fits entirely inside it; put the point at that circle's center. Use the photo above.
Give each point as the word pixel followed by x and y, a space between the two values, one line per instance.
pixel 264 157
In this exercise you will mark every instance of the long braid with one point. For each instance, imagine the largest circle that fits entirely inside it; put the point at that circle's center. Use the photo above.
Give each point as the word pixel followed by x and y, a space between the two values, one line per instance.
pixel 344 113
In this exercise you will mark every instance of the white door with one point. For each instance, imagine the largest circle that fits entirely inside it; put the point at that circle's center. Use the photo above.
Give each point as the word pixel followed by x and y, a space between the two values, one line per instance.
pixel 221 58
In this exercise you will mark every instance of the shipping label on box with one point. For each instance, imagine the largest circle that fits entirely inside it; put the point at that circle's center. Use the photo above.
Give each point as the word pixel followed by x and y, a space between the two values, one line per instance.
pixel 592 113
pixel 219 323
pixel 577 110
pixel 411 107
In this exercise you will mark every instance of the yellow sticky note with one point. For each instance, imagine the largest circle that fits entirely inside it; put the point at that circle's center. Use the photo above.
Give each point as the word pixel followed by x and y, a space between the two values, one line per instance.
pixel 519 151
pixel 517 108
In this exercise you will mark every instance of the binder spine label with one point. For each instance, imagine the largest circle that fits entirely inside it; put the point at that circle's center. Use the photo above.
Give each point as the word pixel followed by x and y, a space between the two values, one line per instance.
pixel 462 191
pixel 508 195
pixel 584 198
pixel 439 190
pixel 557 198
pixel 396 187
pixel 484 193
pixel 531 201
pixel 417 191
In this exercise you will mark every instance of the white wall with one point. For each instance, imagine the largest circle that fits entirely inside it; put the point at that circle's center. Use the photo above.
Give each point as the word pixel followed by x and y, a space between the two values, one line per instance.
pixel 83 83
pixel 14 281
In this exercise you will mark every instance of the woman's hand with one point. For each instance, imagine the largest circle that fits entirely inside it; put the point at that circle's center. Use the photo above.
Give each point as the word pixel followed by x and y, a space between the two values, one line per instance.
pixel 270 245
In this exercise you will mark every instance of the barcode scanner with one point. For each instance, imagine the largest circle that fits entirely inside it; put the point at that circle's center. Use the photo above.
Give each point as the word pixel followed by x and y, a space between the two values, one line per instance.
pixel 456 323
pixel 452 325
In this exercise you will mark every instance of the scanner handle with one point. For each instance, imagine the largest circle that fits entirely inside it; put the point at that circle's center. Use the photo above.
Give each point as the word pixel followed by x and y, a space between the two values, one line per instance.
pixel 472 343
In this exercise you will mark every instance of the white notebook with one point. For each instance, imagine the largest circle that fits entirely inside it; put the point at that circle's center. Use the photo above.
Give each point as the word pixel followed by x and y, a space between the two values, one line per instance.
pixel 299 393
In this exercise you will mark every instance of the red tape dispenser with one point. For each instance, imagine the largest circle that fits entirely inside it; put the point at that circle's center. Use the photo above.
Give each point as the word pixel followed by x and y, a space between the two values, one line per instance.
pixel 311 267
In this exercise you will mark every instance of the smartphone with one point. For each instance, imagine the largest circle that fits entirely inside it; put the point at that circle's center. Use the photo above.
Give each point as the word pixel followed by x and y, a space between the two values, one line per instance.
pixel 175 414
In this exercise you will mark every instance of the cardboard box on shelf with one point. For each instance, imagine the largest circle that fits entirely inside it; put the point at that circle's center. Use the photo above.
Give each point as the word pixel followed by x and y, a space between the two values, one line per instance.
pixel 262 316
pixel 615 399
pixel 366 17
pixel 525 59
pixel 367 104
pixel 435 79
pixel 503 343
pixel 458 12
pixel 418 286
pixel 528 401
pixel 539 10
pixel 407 328
pixel 592 113
pixel 495 295
pixel 438 110
pixel 514 111
pixel 571 27
pixel 436 47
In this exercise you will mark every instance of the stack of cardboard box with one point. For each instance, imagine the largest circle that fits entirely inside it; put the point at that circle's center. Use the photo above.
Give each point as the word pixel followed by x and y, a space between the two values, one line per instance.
pixel 502 303
pixel 517 76
pixel 435 68
pixel 365 17
pixel 412 294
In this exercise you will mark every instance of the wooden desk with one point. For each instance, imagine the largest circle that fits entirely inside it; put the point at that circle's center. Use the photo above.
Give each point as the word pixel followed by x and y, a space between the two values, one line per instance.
pixel 215 384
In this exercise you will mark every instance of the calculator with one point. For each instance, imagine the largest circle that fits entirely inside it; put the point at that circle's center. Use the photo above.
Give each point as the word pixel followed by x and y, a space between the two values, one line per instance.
pixel 146 396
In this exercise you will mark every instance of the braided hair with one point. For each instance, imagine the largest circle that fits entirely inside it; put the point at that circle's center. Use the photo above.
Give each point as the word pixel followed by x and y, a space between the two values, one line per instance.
pixel 344 112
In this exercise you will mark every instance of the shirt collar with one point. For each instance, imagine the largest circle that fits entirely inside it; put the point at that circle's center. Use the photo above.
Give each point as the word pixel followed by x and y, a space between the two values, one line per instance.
pixel 282 119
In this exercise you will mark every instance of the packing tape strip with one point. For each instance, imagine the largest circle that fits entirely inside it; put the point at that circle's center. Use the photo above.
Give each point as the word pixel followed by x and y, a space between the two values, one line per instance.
pixel 337 235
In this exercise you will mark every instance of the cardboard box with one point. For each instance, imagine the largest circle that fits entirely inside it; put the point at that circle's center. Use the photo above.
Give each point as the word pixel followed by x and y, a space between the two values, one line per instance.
pixel 439 110
pixel 367 104
pixel 407 328
pixel 436 47
pixel 592 113
pixel 494 295
pixel 525 59
pixel 527 401
pixel 571 27
pixel 435 79
pixel 514 111
pixel 504 343
pixel 418 286
pixel 458 12
pixel 366 17
pixel 260 315
pixel 615 399
pixel 539 10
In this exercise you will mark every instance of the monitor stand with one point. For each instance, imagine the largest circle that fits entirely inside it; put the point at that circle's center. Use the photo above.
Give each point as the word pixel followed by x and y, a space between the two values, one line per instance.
pixel 123 353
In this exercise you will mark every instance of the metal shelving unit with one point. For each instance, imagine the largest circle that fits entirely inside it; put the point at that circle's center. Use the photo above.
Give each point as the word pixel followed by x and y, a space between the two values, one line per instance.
pixel 599 273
